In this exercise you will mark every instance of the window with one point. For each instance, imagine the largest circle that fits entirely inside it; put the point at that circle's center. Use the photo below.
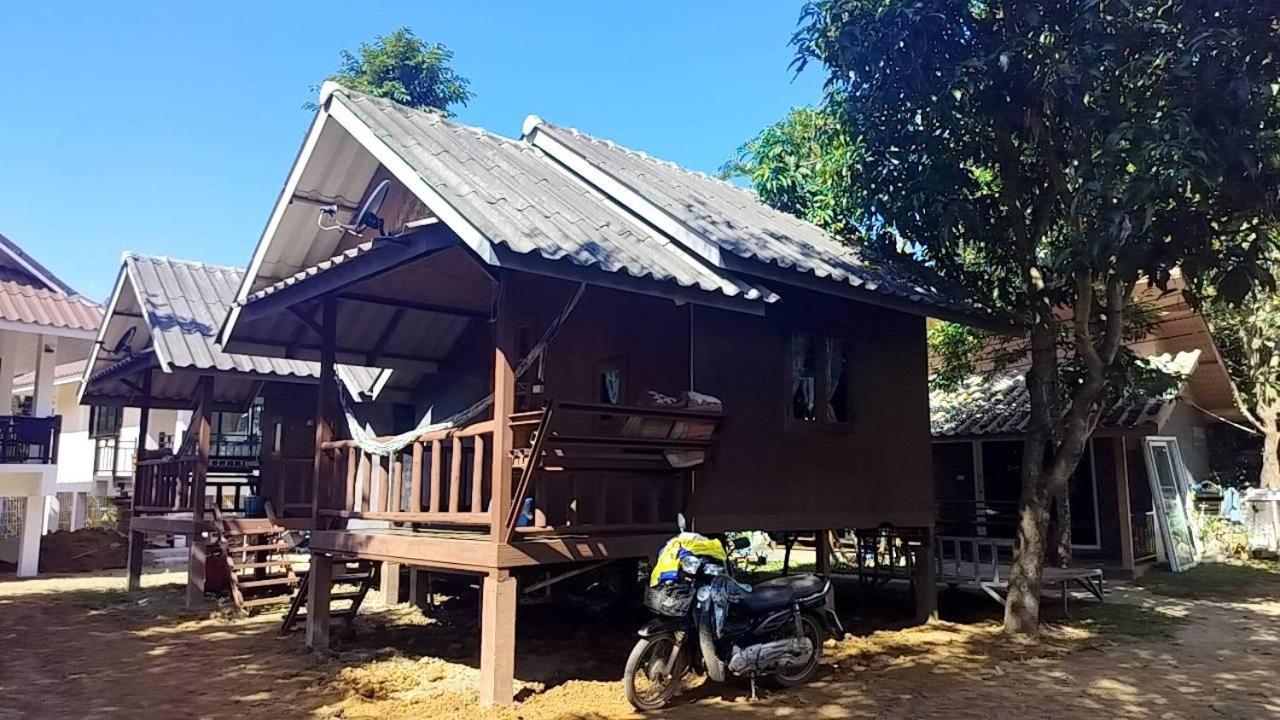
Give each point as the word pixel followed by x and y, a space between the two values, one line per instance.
pixel 820 384
pixel 105 421
pixel 611 381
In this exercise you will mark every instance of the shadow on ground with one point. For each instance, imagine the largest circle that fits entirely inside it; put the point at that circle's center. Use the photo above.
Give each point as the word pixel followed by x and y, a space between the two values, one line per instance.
pixel 80 646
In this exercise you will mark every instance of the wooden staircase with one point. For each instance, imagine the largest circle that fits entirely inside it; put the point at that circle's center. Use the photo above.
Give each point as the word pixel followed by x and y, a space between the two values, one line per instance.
pixel 258 563
pixel 350 584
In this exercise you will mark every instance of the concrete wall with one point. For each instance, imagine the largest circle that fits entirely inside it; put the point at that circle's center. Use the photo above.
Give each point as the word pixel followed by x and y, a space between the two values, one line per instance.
pixel 1190 427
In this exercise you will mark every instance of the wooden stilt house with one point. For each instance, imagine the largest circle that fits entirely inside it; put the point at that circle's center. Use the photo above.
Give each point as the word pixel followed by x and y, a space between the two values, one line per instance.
pixel 583 289
pixel 155 350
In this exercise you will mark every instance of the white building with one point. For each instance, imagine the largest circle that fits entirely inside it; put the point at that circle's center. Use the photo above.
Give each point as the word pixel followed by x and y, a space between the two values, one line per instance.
pixel 43 323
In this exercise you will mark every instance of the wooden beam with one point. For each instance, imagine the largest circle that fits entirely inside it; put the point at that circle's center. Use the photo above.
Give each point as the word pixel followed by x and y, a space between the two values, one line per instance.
pixel 326 398
pixel 1120 458
pixel 498 639
pixel 380 344
pixel 504 404
pixel 307 320
pixel 319 588
pixel 196 553
pixel 382 258
pixel 926 580
pixel 414 305
pixel 137 543
pixel 144 418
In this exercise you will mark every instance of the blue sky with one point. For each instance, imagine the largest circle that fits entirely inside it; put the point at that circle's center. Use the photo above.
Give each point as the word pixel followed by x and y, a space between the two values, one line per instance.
pixel 169 128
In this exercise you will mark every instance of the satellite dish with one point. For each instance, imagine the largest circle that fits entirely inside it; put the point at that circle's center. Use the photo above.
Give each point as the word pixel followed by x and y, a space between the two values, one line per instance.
pixel 126 338
pixel 368 215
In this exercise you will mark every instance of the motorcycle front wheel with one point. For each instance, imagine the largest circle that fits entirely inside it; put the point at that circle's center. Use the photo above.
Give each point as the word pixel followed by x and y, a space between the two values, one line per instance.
pixel 648 681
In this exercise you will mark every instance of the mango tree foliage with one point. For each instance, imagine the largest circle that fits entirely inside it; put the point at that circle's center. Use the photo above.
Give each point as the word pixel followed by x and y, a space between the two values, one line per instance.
pixel 405 68
pixel 1050 156
pixel 804 164
pixel 1249 335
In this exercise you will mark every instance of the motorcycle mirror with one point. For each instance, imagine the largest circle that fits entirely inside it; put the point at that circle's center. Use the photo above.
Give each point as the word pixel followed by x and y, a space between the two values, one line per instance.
pixel 680 521
pixel 741 542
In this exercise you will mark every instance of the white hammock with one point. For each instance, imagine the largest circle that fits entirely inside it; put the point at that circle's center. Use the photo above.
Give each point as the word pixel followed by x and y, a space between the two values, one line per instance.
pixel 370 442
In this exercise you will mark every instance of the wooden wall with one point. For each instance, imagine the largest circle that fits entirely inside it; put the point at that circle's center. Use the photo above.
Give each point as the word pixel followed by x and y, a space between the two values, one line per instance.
pixel 288 409
pixel 776 474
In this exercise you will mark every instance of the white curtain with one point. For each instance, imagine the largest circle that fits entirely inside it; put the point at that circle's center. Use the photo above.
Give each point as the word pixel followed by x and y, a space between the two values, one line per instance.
pixel 835 370
pixel 801 377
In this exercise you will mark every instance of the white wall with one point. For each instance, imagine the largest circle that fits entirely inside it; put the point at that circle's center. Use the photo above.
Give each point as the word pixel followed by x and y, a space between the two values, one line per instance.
pixel 1190 427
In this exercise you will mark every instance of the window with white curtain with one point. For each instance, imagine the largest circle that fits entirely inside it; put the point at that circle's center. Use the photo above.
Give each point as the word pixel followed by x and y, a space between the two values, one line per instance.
pixel 820 379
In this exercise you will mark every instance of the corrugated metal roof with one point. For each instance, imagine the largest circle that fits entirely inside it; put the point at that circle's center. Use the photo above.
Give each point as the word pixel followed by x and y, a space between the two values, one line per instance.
pixel 184 304
pixel 24 299
pixel 737 221
pixel 999 404
pixel 517 197
pixel 319 268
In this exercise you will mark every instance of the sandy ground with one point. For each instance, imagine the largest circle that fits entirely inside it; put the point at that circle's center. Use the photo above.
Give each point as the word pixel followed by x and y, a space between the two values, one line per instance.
pixel 78 646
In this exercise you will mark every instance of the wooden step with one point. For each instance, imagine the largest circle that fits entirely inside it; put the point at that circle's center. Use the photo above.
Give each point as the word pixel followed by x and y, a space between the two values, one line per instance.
pixel 271 600
pixel 254 565
pixel 246 584
pixel 278 547
pixel 352 577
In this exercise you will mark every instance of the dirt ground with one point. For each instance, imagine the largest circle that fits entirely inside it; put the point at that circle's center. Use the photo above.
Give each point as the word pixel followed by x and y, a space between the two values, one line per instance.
pixel 1207 646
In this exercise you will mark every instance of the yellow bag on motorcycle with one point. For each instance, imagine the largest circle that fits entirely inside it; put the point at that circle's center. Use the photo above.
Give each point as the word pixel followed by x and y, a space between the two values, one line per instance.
pixel 667 568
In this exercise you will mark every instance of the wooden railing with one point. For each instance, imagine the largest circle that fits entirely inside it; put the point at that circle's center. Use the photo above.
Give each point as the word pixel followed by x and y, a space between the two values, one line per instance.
pixel 966 518
pixel 579 468
pixel 163 484
pixel 440 478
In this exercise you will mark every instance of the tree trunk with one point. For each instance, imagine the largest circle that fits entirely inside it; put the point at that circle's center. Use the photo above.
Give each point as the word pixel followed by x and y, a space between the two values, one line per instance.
pixel 1062 500
pixel 1271 454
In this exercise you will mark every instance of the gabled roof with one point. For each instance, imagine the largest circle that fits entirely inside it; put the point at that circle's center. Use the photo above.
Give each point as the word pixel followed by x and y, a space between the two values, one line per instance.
pixel 32 296
pixel 568 201
pixel 515 197
pixel 999 404
pixel 728 223
pixel 177 307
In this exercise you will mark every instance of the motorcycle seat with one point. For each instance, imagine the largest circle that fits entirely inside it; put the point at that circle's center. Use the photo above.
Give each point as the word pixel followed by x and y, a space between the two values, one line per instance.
pixel 782 591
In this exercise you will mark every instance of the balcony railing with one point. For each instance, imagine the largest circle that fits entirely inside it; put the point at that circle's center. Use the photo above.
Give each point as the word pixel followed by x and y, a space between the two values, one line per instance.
pixel 113 457
pixel 29 440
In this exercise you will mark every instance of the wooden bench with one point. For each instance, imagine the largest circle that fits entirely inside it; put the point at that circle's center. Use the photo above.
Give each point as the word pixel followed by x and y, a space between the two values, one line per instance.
pixel 981 562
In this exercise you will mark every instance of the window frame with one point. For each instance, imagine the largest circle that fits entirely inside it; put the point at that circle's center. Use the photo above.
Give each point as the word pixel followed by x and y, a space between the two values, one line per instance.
pixel 95 412
pixel 819 335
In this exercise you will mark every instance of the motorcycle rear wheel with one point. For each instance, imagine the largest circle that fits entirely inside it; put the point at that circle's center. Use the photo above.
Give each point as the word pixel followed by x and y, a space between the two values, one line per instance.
pixel 646 684
pixel 811 629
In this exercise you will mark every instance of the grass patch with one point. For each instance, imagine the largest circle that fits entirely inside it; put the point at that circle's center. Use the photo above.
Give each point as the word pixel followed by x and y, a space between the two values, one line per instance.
pixel 1233 580
pixel 1121 621
pixel 751 574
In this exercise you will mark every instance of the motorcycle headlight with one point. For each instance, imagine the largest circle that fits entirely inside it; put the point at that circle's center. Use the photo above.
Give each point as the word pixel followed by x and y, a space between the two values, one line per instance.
pixel 690 564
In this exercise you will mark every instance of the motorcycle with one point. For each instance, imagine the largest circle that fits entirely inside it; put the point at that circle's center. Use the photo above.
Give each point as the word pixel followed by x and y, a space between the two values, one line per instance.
pixel 709 622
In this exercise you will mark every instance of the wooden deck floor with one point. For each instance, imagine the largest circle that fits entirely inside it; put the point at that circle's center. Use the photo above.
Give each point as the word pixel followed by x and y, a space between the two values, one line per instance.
pixel 466 551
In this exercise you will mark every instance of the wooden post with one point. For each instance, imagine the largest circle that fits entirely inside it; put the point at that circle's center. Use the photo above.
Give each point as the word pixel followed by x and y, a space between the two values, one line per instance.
pixel 319 584
pixel 390 584
pixel 144 421
pixel 498 639
pixel 196 549
pixel 326 395
pixel 1120 457
pixel 504 403
pixel 822 547
pixel 137 543
pixel 926 580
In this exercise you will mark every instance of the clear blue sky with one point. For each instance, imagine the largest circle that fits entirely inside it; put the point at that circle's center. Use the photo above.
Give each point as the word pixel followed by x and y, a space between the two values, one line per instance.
pixel 169 127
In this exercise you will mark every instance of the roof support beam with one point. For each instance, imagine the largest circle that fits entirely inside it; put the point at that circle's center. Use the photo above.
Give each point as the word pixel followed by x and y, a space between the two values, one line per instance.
pixel 412 305
pixel 383 257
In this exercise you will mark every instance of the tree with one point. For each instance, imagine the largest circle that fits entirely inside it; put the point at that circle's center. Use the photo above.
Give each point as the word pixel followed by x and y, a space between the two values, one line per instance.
pixel 1065 150
pixel 1249 335
pixel 407 69
pixel 804 164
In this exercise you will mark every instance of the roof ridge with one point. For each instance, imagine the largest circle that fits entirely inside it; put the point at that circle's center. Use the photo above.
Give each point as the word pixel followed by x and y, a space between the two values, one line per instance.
pixel 135 256
pixel 431 113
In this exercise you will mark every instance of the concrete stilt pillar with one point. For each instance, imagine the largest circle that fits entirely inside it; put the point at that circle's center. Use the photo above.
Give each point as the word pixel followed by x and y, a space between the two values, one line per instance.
pixel 79 510
pixel 32 530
